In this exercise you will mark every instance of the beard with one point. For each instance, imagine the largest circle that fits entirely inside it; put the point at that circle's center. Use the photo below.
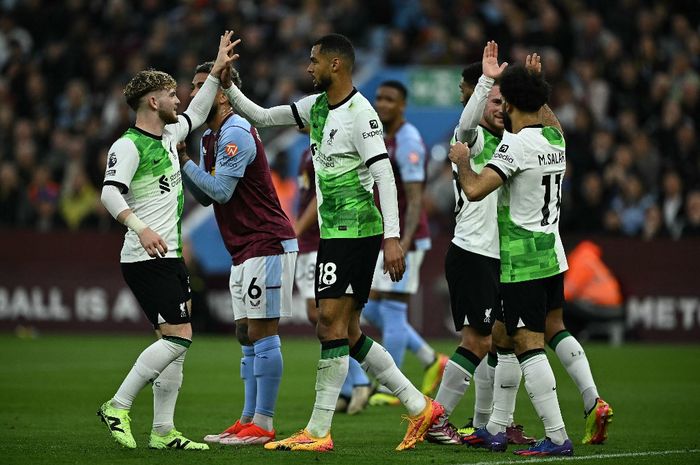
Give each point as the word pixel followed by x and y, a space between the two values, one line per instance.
pixel 323 83
pixel 169 117
pixel 507 123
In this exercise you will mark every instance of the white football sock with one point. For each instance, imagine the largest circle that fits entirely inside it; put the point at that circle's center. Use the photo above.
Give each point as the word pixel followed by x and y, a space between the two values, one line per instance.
pixel 148 367
pixel 542 388
pixel 166 387
pixel 379 364
pixel 574 359
pixel 330 376
pixel 455 381
pixel 426 355
pixel 483 393
pixel 505 390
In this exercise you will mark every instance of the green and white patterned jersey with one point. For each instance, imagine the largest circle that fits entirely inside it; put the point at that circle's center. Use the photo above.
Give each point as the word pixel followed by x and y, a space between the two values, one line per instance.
pixel 476 229
pixel 345 140
pixel 532 164
pixel 146 170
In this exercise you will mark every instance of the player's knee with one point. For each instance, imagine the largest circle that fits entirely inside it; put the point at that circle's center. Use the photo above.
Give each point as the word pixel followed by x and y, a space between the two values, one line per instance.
pixel 328 329
pixel 242 334
pixel 183 330
pixel 554 324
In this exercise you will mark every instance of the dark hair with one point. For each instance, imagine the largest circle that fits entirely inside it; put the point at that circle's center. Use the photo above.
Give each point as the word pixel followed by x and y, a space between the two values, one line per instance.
pixel 207 66
pixel 337 44
pixel 398 85
pixel 524 90
pixel 472 73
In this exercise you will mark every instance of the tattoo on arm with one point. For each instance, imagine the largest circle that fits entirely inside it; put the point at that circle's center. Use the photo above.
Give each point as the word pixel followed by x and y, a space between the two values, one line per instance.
pixel 549 118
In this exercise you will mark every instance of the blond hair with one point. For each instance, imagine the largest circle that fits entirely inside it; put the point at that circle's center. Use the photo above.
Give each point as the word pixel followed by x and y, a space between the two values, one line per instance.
pixel 144 82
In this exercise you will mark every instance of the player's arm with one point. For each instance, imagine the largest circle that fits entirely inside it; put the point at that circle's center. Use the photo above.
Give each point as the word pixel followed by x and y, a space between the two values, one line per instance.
pixel 308 218
pixel 196 113
pixel 123 159
pixel 475 186
pixel 375 156
pixel 411 158
pixel 235 151
pixel 533 63
pixel 199 196
pixel 474 109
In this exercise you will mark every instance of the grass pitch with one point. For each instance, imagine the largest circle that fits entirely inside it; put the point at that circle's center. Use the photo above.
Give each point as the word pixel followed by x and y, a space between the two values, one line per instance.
pixel 51 387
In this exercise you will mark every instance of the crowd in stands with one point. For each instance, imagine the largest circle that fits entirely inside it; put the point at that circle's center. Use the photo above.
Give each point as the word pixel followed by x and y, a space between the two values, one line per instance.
pixel 625 79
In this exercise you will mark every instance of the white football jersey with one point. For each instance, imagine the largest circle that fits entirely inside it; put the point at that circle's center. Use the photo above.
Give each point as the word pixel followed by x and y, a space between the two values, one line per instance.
pixel 146 169
pixel 532 164
pixel 476 228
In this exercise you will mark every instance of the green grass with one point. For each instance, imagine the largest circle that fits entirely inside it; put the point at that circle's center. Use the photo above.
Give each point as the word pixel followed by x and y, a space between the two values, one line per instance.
pixel 50 388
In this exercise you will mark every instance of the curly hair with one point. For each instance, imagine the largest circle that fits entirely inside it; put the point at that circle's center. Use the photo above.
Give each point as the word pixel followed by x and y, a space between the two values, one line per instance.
pixel 524 90
pixel 144 82
pixel 472 73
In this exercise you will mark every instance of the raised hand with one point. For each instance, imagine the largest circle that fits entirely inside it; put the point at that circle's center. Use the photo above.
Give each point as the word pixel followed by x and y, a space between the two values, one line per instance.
pixel 224 57
pixel 489 63
pixel 533 63
pixel 459 153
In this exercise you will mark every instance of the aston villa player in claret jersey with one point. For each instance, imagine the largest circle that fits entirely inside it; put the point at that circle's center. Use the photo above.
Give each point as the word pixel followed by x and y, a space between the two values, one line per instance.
pixel 234 176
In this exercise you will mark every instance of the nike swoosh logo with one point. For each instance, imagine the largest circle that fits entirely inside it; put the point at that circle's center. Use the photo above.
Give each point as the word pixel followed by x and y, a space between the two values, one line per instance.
pixel 506 386
pixel 322 368
pixel 321 289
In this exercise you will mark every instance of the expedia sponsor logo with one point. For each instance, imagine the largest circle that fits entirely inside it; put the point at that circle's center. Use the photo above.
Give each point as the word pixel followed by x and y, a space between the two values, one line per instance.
pixel 503 156
pixel 373 124
pixel 376 132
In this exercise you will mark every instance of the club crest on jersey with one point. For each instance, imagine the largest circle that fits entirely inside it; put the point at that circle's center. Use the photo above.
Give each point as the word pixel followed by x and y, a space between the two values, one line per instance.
pixel 231 150
pixel 331 135
pixel 112 160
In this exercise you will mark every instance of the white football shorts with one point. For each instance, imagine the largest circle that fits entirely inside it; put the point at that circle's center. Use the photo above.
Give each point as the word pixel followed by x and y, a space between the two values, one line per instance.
pixel 305 274
pixel 411 277
pixel 261 287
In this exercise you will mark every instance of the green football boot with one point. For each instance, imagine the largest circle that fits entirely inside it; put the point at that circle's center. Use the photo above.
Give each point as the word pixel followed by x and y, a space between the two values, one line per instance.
pixel 118 423
pixel 174 440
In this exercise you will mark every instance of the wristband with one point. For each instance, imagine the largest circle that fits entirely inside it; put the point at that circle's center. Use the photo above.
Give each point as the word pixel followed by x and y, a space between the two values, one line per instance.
pixel 134 223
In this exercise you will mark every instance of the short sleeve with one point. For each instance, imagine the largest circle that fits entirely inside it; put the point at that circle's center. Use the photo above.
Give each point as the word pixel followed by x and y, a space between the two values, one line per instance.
pixel 301 109
pixel 506 158
pixel 122 162
pixel 181 129
pixel 410 156
pixel 368 136
pixel 235 151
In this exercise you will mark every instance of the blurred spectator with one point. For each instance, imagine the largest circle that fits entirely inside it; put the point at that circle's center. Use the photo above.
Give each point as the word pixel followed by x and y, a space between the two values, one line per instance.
pixel 43 200
pixel 79 201
pixel 631 205
pixel 654 226
pixel 625 78
pixel 672 202
pixel 691 228
pixel 13 208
